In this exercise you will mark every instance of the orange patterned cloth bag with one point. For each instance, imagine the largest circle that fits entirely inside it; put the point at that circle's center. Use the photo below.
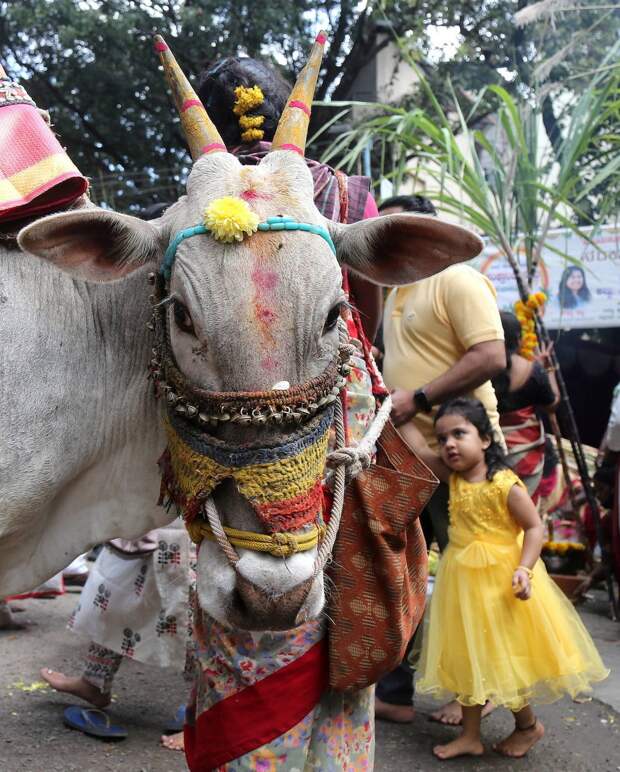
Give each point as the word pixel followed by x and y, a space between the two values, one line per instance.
pixel 379 567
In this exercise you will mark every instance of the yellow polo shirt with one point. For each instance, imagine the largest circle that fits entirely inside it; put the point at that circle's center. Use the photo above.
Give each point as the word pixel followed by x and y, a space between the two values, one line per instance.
pixel 429 325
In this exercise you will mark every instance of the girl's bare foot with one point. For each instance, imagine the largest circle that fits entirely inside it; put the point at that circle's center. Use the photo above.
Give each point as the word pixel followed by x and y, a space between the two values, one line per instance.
pixel 520 741
pixel 174 742
pixel 452 714
pixel 76 686
pixel 462 746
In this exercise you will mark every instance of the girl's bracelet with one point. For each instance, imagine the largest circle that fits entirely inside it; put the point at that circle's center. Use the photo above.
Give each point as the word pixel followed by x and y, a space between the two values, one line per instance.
pixel 528 571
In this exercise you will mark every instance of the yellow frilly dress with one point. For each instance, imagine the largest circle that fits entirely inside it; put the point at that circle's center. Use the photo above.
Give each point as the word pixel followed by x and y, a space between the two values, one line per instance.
pixel 481 643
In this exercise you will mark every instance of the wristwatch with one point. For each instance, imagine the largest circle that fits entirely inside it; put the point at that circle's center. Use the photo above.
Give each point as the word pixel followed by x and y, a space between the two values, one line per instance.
pixel 421 402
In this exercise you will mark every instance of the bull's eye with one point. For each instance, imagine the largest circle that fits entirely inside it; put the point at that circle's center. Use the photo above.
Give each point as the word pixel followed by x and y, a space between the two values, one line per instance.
pixel 182 318
pixel 332 318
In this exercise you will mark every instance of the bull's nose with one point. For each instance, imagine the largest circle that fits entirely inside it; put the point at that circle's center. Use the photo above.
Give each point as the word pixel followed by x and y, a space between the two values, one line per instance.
pixel 256 609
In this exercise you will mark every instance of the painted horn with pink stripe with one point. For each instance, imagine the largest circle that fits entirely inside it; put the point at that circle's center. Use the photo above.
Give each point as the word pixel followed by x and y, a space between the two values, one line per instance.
pixel 200 132
pixel 292 130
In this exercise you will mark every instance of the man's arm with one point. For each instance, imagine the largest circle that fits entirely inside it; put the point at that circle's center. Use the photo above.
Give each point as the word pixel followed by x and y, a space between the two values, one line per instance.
pixel 478 364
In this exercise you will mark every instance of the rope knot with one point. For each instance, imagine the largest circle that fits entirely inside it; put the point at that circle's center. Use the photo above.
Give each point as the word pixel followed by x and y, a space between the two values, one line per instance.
pixel 284 545
pixel 355 460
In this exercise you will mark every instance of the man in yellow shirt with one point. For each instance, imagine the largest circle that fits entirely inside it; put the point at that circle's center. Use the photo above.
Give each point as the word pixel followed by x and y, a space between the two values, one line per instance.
pixel 443 338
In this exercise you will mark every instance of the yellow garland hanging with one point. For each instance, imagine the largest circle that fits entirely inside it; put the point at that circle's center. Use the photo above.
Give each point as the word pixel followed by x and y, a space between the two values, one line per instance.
pixel 248 98
pixel 251 127
pixel 230 219
pixel 525 313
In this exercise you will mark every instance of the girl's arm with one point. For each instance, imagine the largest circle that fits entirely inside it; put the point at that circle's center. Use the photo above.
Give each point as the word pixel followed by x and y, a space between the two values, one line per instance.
pixel 414 438
pixel 523 511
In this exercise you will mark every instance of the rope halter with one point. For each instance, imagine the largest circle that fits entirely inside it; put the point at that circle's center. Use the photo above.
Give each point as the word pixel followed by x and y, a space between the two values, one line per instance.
pixel 238 231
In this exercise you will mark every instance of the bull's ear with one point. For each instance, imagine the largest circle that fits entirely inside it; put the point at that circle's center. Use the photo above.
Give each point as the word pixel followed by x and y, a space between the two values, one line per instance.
pixel 402 248
pixel 94 244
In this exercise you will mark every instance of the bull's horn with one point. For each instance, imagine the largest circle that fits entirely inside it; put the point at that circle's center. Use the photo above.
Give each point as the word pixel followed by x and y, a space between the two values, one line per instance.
pixel 200 132
pixel 292 130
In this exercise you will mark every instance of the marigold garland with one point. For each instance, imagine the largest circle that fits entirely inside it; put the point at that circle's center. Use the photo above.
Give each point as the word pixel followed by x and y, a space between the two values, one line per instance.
pixel 230 219
pixel 562 547
pixel 248 98
pixel 526 313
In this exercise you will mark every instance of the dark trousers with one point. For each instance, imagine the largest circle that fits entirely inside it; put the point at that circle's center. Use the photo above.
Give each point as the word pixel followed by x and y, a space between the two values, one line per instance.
pixel 396 687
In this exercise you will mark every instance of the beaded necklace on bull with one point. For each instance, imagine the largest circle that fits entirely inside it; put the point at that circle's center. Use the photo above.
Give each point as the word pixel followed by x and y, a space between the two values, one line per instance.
pixel 280 477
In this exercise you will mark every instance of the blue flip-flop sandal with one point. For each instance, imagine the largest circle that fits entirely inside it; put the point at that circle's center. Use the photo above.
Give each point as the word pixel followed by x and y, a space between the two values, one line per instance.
pixel 176 724
pixel 93 722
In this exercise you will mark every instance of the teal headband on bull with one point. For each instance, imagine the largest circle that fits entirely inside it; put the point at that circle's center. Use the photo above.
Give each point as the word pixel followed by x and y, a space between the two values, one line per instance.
pixel 230 219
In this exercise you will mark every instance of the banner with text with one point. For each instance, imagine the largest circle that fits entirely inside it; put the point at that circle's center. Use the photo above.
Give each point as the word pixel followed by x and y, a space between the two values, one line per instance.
pixel 586 295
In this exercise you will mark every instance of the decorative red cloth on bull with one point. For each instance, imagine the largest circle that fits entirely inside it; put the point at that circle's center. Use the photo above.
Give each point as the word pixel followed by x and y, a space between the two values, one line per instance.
pixel 36 175
pixel 249 692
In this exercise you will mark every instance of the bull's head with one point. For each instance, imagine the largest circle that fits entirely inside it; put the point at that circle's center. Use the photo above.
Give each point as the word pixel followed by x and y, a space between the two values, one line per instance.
pixel 236 318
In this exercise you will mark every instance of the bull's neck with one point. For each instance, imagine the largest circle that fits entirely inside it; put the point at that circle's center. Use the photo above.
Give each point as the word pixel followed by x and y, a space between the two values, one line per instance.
pixel 117 315
pixel 89 350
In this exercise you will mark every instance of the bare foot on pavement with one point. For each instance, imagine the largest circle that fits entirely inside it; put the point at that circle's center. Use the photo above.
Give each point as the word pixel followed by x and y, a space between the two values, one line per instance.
pixel 398 714
pixel 76 686
pixel 520 741
pixel 174 742
pixel 462 746
pixel 452 715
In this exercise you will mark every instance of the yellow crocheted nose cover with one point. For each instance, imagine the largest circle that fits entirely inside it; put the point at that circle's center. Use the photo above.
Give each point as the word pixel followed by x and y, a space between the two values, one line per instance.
pixel 282 482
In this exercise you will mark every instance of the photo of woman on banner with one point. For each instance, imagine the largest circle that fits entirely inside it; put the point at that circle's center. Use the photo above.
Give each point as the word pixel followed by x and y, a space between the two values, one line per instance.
pixel 573 291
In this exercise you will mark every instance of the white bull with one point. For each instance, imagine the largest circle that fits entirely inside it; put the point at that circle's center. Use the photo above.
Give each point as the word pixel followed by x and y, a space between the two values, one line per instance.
pixel 80 429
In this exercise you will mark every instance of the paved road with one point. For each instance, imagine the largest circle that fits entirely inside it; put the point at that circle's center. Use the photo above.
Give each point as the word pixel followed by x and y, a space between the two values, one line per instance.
pixel 580 737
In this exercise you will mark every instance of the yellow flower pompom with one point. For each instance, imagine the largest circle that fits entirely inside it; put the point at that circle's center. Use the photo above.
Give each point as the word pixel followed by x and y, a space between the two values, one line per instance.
pixel 251 121
pixel 230 219
pixel 252 135
pixel 247 98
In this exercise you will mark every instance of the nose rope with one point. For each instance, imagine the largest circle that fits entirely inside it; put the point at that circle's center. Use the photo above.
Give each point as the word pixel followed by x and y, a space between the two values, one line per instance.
pixel 280 545
pixel 219 533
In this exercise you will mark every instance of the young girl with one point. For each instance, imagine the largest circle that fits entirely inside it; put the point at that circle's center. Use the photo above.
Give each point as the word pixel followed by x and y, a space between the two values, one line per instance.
pixel 499 628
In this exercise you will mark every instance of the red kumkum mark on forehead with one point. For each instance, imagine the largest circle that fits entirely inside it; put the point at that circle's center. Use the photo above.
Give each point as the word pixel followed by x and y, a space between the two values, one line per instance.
pixel 265 315
pixel 265 318
pixel 265 280
pixel 252 195
pixel 269 363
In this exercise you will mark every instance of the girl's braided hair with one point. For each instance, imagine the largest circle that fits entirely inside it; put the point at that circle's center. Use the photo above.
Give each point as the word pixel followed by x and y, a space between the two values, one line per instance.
pixel 217 93
pixel 473 411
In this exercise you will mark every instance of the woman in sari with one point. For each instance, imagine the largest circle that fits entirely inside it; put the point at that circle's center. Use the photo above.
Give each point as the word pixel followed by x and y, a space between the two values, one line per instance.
pixel 523 389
